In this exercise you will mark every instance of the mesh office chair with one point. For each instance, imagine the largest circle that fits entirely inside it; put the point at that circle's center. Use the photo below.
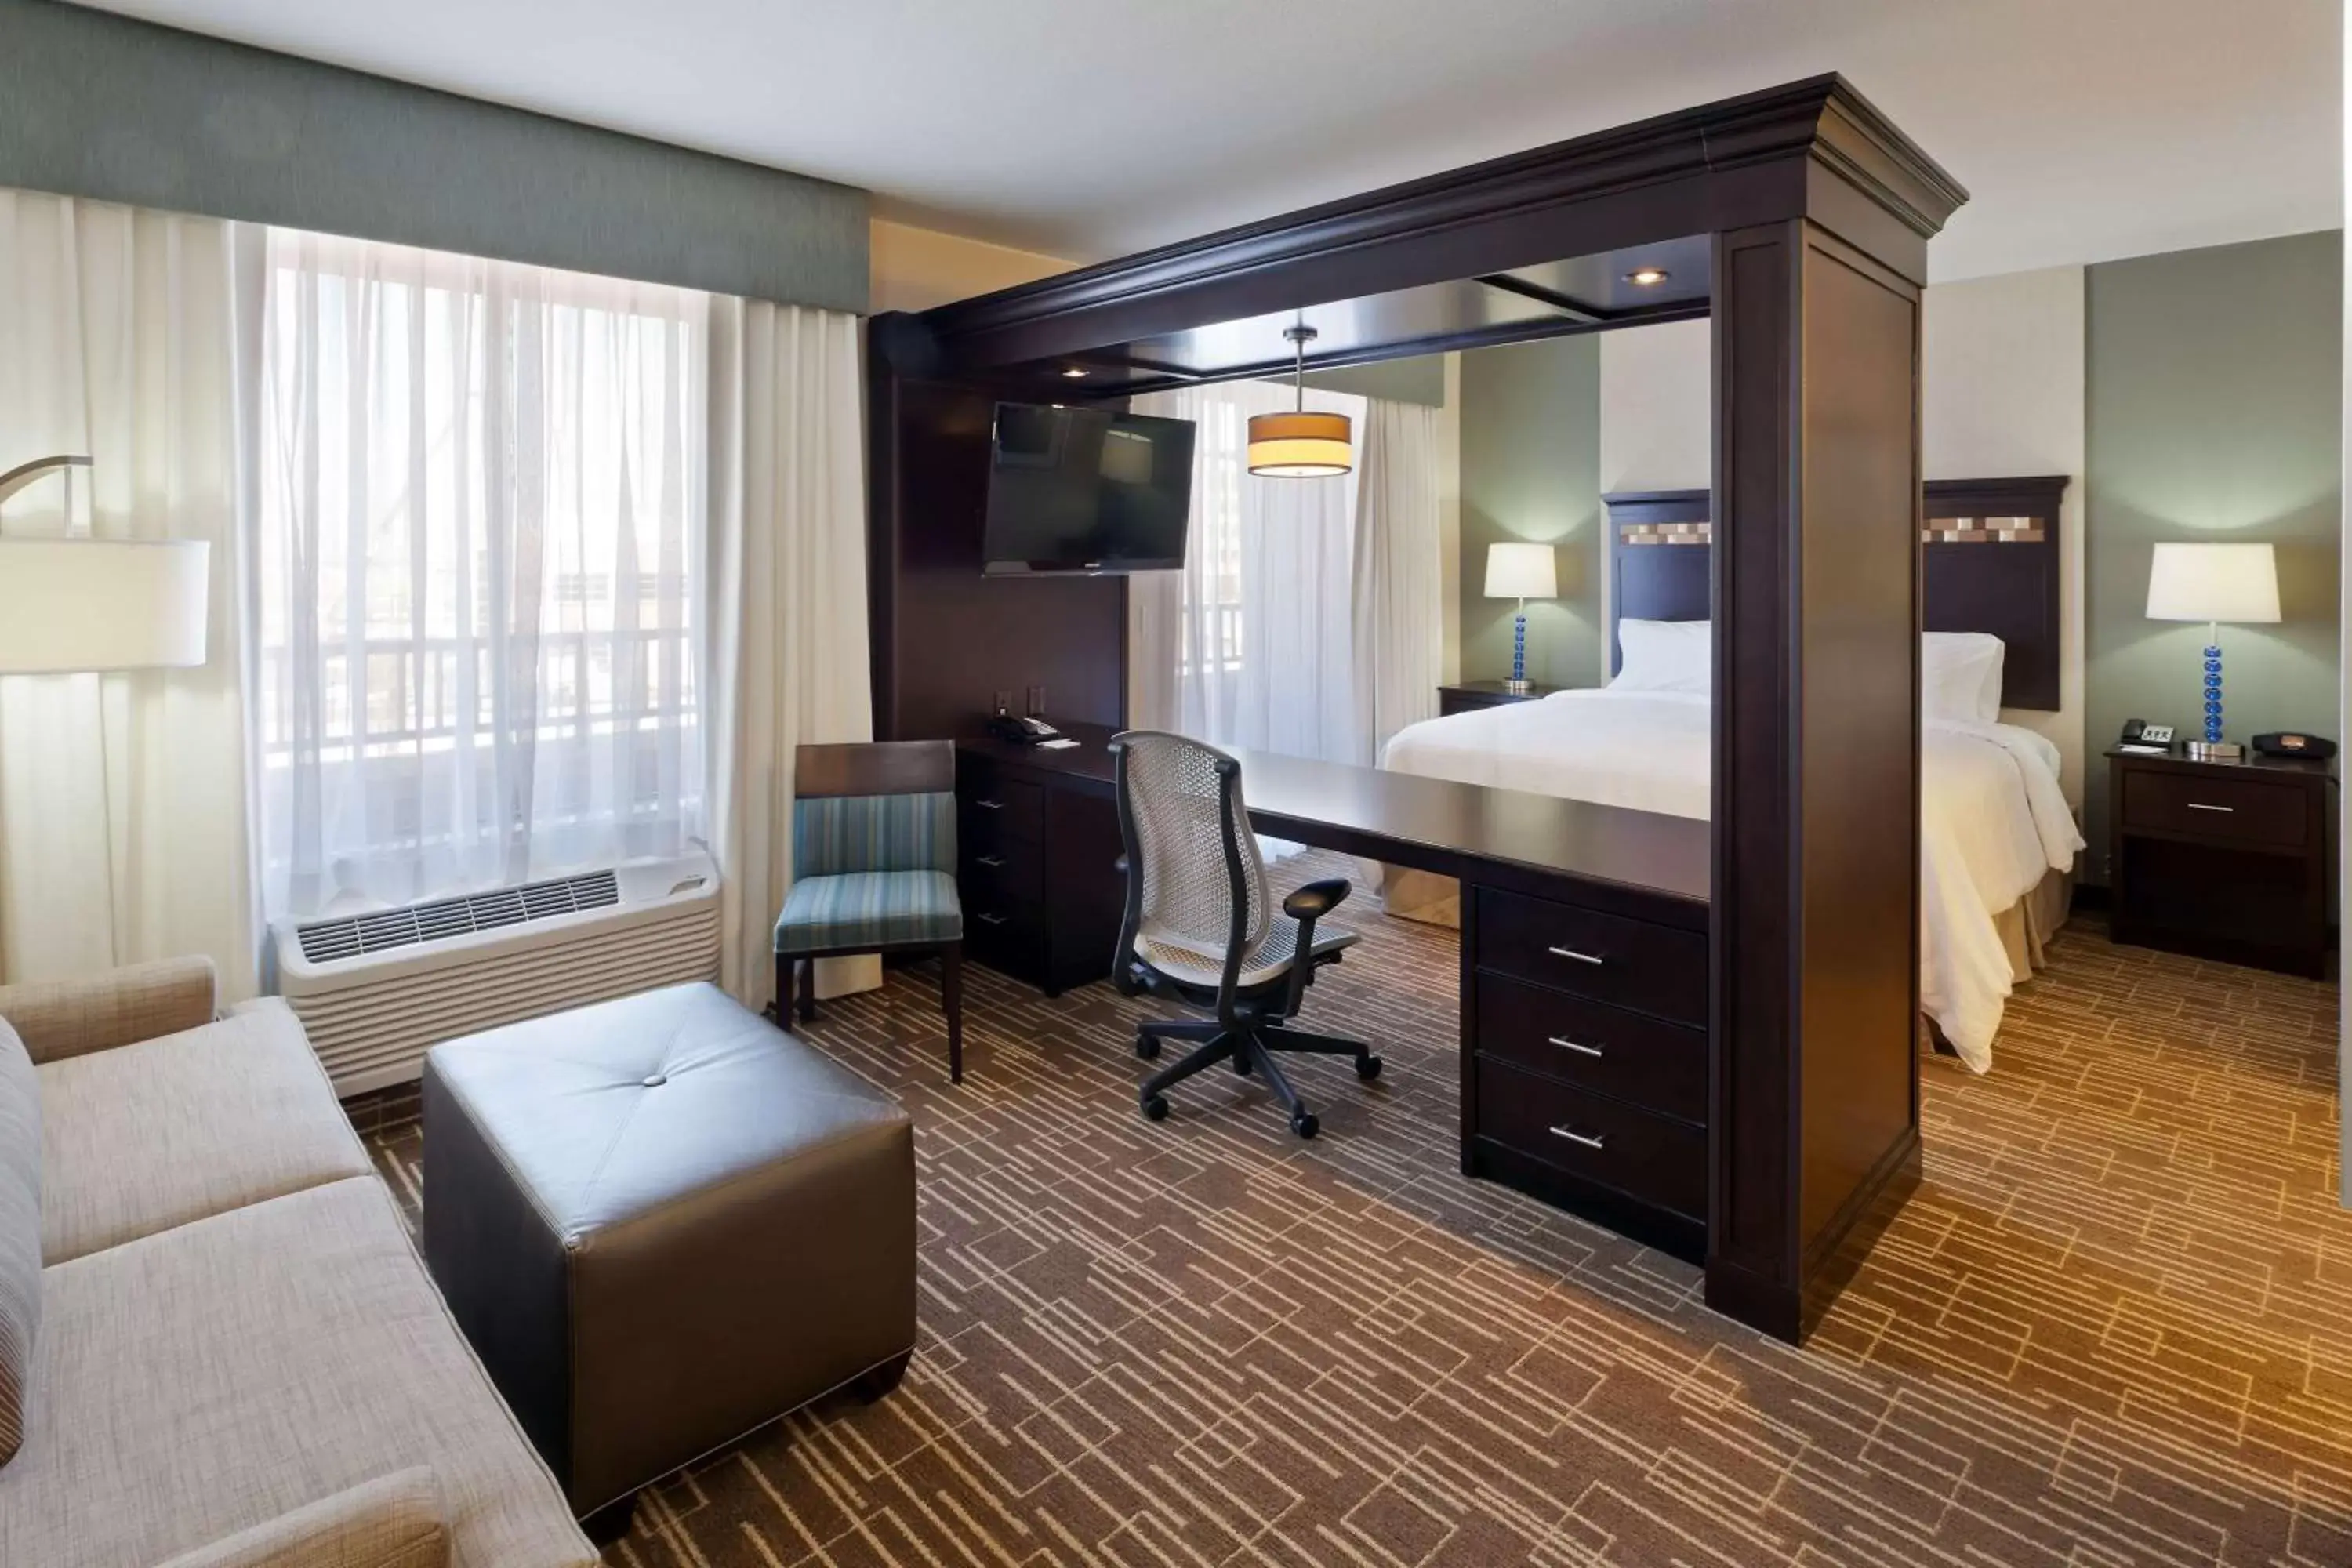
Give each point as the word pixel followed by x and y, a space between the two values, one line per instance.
pixel 1198 927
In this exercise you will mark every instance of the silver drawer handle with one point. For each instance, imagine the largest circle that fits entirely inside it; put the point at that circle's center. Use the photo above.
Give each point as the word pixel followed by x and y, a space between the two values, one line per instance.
pixel 991 861
pixel 1564 1043
pixel 989 804
pixel 1572 952
pixel 2201 806
pixel 1589 1139
pixel 991 919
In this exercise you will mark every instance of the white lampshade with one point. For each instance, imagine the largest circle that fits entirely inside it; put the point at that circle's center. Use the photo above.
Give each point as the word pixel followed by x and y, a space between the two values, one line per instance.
pixel 93 603
pixel 2213 583
pixel 1520 571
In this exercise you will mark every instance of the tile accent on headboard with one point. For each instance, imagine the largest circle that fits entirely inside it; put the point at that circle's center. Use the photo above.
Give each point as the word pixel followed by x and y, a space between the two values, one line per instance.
pixel 1665 532
pixel 1984 530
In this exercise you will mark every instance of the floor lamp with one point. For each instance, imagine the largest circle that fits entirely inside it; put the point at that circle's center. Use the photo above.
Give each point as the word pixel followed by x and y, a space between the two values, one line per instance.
pixel 71 603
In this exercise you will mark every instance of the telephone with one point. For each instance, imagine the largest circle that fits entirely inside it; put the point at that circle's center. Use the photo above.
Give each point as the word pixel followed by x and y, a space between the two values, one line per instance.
pixel 2139 735
pixel 1021 732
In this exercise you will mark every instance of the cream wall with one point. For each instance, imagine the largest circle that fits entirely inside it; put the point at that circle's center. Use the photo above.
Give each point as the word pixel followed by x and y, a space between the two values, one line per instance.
pixel 2002 394
pixel 915 268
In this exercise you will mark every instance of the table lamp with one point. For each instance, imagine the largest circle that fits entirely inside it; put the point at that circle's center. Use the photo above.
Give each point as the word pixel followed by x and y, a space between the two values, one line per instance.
pixel 73 604
pixel 1521 572
pixel 2213 583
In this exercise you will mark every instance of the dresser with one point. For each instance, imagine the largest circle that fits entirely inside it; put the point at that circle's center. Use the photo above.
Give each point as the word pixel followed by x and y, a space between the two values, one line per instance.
pixel 2232 862
pixel 1037 849
pixel 1584 1061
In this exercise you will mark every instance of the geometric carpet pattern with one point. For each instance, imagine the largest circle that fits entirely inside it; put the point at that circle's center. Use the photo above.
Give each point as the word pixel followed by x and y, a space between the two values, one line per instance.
pixel 2112 1326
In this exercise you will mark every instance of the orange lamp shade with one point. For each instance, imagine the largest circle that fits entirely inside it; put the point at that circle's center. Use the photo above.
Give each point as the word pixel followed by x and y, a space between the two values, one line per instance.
pixel 1300 446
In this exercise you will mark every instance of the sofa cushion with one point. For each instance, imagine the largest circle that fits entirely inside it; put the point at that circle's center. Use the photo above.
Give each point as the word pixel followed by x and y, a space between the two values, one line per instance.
pixel 141 1138
pixel 390 1522
pixel 20 1232
pixel 208 1379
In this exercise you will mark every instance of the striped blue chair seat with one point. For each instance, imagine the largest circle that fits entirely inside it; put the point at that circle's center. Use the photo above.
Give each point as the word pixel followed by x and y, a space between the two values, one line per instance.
pixel 870 910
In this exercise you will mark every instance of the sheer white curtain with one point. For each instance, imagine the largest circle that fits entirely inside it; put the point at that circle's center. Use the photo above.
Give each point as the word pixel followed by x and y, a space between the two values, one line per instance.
pixel 1251 644
pixel 1399 611
pixel 1307 618
pixel 788 651
pixel 122 796
pixel 479 525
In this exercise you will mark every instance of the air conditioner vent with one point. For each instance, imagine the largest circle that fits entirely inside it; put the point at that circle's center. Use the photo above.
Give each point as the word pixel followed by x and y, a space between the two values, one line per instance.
pixel 329 941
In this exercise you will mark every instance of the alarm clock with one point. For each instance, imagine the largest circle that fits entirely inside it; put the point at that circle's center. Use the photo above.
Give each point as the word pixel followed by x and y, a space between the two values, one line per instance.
pixel 2294 744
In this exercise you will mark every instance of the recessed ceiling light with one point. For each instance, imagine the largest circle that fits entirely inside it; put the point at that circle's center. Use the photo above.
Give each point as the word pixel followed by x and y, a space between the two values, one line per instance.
pixel 1074 373
pixel 1646 277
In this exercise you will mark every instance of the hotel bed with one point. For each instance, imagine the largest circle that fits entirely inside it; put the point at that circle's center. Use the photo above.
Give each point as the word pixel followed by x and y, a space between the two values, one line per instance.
pixel 1998 842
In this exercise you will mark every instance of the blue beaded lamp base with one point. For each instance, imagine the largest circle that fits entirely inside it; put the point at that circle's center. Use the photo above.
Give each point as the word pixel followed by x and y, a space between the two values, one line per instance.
pixel 1519 682
pixel 2212 748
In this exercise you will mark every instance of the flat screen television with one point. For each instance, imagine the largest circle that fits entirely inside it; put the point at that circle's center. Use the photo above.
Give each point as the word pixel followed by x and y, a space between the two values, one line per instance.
pixel 1086 489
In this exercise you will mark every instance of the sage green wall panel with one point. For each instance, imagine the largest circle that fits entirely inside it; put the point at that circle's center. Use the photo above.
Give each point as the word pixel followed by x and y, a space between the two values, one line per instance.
pixel 101 106
pixel 1531 471
pixel 2214 382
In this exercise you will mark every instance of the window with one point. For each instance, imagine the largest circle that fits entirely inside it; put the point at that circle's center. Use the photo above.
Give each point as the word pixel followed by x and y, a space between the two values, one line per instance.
pixel 479 582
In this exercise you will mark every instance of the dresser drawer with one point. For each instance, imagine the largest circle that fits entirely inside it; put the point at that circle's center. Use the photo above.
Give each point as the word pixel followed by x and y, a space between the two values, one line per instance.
pixel 1654 969
pixel 1633 1057
pixel 1005 933
pixel 2245 809
pixel 1652 1158
pixel 990 812
pixel 1008 869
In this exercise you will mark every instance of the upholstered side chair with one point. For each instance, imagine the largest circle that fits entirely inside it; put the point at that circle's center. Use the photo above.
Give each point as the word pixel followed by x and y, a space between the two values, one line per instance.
pixel 873 857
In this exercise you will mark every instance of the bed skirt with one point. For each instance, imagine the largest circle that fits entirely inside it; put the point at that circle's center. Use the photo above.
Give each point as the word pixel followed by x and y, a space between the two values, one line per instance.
pixel 2025 927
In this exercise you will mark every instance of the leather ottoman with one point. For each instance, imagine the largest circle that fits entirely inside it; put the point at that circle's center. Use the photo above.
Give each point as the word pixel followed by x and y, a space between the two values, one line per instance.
pixel 663 1222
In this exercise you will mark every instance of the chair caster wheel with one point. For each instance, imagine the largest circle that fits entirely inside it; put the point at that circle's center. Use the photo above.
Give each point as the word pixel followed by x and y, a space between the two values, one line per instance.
pixel 1305 1124
pixel 1156 1108
pixel 1368 1067
pixel 1147 1047
pixel 1242 1065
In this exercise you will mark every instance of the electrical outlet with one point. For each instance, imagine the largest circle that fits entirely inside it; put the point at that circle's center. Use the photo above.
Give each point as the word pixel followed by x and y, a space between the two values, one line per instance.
pixel 1003 704
pixel 1036 700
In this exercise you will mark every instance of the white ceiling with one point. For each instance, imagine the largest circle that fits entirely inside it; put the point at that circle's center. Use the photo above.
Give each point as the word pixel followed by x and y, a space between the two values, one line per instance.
pixel 2085 128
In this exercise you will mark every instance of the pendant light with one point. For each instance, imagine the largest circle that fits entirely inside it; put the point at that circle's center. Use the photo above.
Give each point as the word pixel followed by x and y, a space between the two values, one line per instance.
pixel 1299 445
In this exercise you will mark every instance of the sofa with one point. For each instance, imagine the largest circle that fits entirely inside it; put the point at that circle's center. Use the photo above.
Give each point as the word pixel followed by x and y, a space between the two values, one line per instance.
pixel 236 1359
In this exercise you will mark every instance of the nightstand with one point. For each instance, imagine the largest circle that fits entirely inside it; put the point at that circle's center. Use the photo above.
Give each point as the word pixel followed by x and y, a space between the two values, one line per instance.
pixel 1469 695
pixel 2225 860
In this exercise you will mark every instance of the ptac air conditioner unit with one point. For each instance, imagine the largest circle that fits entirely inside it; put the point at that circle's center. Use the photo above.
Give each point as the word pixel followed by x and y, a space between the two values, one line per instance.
pixel 376 991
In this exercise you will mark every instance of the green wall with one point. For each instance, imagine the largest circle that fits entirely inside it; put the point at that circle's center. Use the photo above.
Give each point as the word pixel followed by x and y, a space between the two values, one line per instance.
pixel 2214 380
pixel 121 111
pixel 1531 469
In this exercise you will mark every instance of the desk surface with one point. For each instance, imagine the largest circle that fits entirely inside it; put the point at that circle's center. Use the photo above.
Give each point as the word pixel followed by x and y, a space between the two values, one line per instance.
pixel 1432 825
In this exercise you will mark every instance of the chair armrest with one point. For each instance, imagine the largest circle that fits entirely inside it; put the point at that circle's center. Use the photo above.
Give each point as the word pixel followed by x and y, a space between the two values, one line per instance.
pixel 57 1019
pixel 392 1522
pixel 1315 900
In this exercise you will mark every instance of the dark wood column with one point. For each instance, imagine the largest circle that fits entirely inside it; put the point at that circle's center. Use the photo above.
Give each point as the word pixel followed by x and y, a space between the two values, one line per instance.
pixel 1816 941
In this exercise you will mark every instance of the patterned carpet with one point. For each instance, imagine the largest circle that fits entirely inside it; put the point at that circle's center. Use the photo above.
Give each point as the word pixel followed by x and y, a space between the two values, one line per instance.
pixel 2113 1326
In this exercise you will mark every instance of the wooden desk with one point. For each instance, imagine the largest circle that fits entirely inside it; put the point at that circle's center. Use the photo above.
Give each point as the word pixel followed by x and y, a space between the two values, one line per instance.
pixel 1585 1056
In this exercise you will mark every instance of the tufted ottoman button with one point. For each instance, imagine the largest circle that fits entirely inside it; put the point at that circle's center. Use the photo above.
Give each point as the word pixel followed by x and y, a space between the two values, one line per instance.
pixel 655 1080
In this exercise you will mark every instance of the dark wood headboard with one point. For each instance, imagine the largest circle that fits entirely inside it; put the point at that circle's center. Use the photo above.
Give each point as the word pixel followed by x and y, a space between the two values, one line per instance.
pixel 1989 562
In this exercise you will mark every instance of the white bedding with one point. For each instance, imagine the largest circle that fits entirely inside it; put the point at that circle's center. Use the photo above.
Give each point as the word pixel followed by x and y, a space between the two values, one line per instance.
pixel 1993 819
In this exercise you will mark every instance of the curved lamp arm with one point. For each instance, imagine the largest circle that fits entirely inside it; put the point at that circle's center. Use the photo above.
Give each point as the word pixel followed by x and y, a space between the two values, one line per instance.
pixel 24 474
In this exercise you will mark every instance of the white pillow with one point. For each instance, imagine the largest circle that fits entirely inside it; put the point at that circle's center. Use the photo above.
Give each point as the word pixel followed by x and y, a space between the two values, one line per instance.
pixel 1665 656
pixel 1959 675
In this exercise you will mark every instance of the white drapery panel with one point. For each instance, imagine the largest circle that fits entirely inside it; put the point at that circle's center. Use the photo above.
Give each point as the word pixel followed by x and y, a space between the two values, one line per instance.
pixel 788 656
pixel 1399 610
pixel 478 516
pixel 122 796
pixel 1308 617
pixel 1250 645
